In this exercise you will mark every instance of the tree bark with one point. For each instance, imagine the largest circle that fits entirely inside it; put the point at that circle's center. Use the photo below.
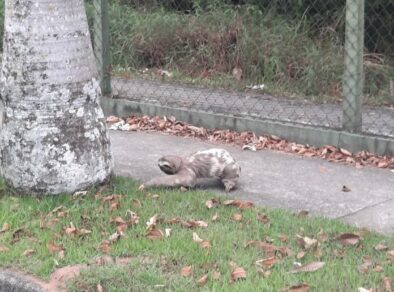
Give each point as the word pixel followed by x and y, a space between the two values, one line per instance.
pixel 54 137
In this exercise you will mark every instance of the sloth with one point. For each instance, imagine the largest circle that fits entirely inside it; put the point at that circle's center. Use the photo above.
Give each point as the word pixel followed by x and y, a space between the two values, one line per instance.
pixel 184 171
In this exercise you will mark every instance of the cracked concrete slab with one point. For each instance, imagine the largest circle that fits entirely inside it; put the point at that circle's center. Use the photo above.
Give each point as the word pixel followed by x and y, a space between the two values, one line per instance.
pixel 275 179
pixel 379 217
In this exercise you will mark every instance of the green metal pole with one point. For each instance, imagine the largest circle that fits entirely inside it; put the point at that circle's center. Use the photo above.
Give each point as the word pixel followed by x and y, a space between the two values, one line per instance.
pixel 353 81
pixel 102 44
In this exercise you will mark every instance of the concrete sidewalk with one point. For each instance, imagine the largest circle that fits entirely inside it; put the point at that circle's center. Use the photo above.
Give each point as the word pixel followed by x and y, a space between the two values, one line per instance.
pixel 275 179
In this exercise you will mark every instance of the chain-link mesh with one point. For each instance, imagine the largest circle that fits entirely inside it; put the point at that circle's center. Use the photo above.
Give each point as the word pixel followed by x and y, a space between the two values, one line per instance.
pixel 378 108
pixel 321 63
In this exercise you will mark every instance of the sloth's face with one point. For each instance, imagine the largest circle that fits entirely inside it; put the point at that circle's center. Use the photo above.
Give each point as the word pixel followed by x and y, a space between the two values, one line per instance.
pixel 170 164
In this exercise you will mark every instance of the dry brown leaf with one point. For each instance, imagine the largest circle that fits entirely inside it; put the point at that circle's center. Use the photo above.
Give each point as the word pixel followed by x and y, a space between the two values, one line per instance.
pixel 300 255
pixel 363 268
pixel 303 214
pixel 378 269
pixel 57 209
pixel 390 253
pixel 105 246
pixel 61 254
pixel 121 229
pixel 99 288
pixel 269 248
pixel 154 234
pixel 175 220
pixel 346 189
pixel 322 236
pixel 152 222
pixel 202 281
pixel 216 275
pixel 133 218
pixel 383 164
pixel 195 223
pixel 215 217
pixel 345 152
pixel 306 242
pixel 283 238
pixel 237 217
pixel 54 248
pixel 381 247
pixel 3 248
pixel 317 252
pixel 119 221
pixel 361 289
pixel 82 232
pixel 387 284
pixel 267 263
pixel 114 237
pixel 70 230
pixel 28 252
pixel 367 263
pixel 233 265
pixel 80 194
pixel 348 239
pixel 245 205
pixel 205 244
pixel 229 202
pixel 62 214
pixel 237 73
pixel 112 119
pixel 238 203
pixel 186 271
pixel 238 274
pixel 297 288
pixel 212 203
pixel 265 274
pixel 103 260
pixel 196 238
pixel 310 267
pixel 263 218
pixel 42 223
pixel 52 222
pixel 5 227
pixel 113 206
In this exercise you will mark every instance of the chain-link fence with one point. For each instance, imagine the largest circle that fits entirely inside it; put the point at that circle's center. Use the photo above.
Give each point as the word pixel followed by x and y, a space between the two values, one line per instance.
pixel 319 63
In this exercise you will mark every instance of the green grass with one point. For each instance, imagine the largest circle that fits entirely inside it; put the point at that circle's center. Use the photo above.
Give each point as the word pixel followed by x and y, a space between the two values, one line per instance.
pixel 291 56
pixel 158 262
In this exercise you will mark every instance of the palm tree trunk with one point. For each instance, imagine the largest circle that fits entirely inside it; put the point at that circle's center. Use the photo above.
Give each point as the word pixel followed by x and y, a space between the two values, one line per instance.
pixel 54 137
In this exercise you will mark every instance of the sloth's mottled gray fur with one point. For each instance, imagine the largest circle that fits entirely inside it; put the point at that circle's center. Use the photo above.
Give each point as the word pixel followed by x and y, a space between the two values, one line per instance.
pixel 184 171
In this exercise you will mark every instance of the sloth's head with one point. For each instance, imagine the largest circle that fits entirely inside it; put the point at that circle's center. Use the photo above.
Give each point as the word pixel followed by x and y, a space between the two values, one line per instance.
pixel 170 164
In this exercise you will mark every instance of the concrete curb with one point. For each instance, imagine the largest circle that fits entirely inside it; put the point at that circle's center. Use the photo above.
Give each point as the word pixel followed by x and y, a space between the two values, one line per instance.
pixel 297 133
pixel 11 281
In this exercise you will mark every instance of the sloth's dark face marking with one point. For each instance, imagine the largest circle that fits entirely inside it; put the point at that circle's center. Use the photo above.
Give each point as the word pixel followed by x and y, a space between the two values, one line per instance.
pixel 170 164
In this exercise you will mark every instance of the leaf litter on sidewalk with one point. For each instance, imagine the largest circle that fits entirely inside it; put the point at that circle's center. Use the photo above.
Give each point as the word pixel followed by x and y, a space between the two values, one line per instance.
pixel 249 140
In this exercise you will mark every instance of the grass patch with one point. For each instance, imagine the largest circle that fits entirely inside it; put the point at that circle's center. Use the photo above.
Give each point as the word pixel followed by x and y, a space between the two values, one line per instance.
pixel 291 56
pixel 159 262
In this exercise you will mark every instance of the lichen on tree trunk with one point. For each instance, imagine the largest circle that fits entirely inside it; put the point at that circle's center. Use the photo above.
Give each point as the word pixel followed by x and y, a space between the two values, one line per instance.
pixel 54 137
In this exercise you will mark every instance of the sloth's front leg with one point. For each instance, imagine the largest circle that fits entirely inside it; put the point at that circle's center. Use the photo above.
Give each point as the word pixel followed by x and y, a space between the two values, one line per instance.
pixel 182 179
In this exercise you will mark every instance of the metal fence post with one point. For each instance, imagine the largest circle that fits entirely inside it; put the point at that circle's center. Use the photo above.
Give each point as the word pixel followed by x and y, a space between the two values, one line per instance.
pixel 102 44
pixel 353 81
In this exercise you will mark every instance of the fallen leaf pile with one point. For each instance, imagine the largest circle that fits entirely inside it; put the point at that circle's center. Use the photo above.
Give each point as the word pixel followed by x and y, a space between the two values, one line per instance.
pixel 248 140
